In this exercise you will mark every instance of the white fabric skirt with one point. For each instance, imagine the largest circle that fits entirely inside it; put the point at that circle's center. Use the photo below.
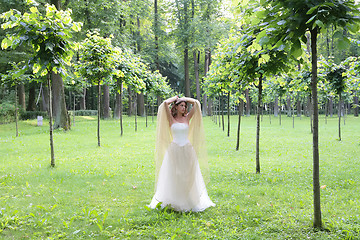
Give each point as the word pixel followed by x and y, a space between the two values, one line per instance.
pixel 180 184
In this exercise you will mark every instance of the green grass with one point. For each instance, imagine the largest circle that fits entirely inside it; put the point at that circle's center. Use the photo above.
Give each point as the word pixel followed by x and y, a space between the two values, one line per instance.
pixel 102 192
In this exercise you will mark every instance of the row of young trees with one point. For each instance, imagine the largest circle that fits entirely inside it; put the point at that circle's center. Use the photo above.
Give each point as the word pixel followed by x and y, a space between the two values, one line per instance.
pixel 268 47
pixel 49 34
pixel 163 33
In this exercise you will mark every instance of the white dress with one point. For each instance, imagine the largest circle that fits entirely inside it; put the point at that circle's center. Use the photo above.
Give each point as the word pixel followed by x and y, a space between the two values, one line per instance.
pixel 180 183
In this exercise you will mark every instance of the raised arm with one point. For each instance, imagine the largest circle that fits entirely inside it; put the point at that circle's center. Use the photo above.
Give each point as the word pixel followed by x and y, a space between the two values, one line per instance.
pixel 167 102
pixel 192 102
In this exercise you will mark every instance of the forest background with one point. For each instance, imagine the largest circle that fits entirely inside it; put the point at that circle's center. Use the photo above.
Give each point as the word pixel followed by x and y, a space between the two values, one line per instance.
pixel 247 57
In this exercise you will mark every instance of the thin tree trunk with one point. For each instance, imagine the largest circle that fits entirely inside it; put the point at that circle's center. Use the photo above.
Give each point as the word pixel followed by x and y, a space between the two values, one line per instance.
pixel 288 106
pixel 135 108
pixel 21 95
pixel 146 108
pixel 196 55
pixel 311 110
pixel 356 103
pixel 258 126
pixel 222 113
pixel 106 102
pixel 120 109
pixel 187 78
pixel 219 109
pixel 280 111
pixel 339 117
pixel 130 110
pixel 241 106
pixel 331 107
pixel 98 117
pixel 276 106
pixel 293 115
pixel 83 100
pixel 298 105
pixel 316 171
pixel 74 110
pixel 248 104
pixel 228 113
pixel 117 100
pixel 52 163
pixel 16 110
pixel 156 32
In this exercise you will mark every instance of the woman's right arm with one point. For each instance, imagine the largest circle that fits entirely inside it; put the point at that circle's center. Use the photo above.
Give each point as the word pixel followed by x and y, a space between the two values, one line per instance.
pixel 167 102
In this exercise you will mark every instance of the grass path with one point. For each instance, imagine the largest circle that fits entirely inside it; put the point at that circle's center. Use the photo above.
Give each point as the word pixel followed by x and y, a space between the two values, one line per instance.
pixel 102 192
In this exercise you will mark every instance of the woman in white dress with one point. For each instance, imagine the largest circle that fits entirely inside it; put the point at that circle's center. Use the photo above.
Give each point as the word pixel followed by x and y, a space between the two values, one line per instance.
pixel 181 159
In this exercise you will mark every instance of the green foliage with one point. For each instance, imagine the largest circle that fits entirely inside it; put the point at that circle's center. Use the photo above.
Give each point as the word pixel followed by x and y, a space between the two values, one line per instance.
pixel 290 20
pixel 47 34
pixel 25 115
pixel 96 59
pixel 7 112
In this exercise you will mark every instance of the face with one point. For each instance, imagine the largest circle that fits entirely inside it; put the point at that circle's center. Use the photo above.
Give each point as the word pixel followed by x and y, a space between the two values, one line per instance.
pixel 181 108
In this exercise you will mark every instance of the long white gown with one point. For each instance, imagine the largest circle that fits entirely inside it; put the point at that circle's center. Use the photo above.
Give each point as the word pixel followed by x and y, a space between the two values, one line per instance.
pixel 180 183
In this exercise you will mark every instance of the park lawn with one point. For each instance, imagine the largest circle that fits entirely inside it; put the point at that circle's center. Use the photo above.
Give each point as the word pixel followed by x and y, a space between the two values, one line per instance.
pixel 102 192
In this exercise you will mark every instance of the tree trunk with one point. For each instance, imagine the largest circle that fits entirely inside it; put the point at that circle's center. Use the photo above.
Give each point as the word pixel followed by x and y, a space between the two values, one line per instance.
pixel 288 106
pixel 135 108
pixel 280 111
pixel 83 100
pixel 21 96
pixel 61 117
pixel 140 105
pixel 298 105
pixel 222 112
pixel 31 103
pixel 118 100
pixel 156 32
pixel 121 108
pixel 196 55
pixel 98 113
pixel 206 109
pixel 16 110
pixel 339 117
pixel 130 108
pixel 186 69
pixel 106 102
pixel 44 106
pixel 331 107
pixel 241 107
pixel 258 126
pixel 356 108
pixel 228 113
pixel 52 163
pixel 316 171
pixel 248 104
pixel 276 106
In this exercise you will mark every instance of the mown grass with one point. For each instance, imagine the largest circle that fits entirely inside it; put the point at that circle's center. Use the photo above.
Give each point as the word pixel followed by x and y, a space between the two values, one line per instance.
pixel 102 193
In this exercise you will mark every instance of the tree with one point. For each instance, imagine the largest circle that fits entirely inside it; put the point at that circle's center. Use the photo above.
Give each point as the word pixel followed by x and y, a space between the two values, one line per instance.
pixel 291 20
pixel 97 64
pixel 15 78
pixel 49 36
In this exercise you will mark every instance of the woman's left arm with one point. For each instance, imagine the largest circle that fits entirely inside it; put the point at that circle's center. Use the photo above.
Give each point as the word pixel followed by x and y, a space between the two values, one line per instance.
pixel 191 101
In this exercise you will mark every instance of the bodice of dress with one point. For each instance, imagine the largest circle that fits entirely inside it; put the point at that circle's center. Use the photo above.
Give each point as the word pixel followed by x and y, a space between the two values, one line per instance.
pixel 180 133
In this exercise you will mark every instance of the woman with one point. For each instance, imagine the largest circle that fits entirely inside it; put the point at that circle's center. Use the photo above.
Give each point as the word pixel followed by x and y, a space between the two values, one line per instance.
pixel 180 153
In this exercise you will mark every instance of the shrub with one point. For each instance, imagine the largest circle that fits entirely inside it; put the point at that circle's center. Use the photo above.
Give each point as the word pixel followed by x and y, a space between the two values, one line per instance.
pixel 25 115
pixel 7 112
